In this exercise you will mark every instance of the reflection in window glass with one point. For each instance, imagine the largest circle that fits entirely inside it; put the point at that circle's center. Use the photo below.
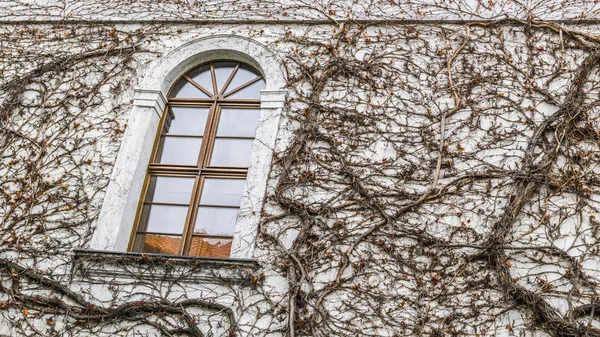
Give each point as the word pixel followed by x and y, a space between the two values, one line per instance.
pixel 215 221
pixel 210 247
pixel 186 121
pixel 157 244
pixel 231 152
pixel 179 150
pixel 223 192
pixel 238 122
pixel 172 190
pixel 165 219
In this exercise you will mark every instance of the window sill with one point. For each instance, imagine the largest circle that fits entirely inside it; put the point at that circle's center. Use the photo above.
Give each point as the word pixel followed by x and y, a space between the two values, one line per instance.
pixel 109 265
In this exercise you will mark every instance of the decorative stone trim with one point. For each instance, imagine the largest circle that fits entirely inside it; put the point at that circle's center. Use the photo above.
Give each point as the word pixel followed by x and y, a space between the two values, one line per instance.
pixel 125 266
pixel 117 216
pixel 119 208
pixel 272 103
pixel 150 99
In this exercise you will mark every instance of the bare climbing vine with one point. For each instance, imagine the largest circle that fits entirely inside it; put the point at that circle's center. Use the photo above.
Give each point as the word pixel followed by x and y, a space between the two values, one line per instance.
pixel 431 179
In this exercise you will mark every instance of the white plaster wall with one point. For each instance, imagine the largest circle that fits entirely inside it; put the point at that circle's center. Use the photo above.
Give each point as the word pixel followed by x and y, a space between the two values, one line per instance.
pixel 180 54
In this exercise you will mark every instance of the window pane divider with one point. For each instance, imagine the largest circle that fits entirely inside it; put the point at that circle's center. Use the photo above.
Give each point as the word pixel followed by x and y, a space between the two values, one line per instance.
pixel 237 66
pixel 225 170
pixel 158 203
pixel 243 86
pixel 211 130
pixel 188 228
pixel 174 171
pixel 158 233
pixel 234 137
pixel 198 86
pixel 183 136
pixel 191 103
pixel 214 79
pixel 210 236
pixel 219 206
pixel 224 101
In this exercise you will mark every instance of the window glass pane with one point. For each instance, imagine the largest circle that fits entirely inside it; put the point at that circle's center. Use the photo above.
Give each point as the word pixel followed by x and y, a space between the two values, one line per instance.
pixel 222 72
pixel 225 192
pixel 186 121
pixel 157 244
pixel 201 75
pixel 163 219
pixel 243 75
pixel 238 122
pixel 215 221
pixel 170 189
pixel 231 152
pixel 184 89
pixel 210 247
pixel 250 92
pixel 179 150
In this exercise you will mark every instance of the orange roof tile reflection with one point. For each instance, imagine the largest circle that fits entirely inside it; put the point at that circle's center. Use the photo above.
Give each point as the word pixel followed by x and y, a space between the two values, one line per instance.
pixel 162 244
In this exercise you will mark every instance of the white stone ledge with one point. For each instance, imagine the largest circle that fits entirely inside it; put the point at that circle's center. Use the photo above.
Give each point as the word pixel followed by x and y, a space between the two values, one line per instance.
pixel 110 265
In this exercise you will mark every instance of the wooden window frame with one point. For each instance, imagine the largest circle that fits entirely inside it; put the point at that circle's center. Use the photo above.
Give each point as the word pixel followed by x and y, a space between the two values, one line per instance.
pixel 202 170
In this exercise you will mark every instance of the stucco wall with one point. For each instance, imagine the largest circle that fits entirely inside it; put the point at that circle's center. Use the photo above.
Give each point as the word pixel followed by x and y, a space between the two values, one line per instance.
pixel 397 160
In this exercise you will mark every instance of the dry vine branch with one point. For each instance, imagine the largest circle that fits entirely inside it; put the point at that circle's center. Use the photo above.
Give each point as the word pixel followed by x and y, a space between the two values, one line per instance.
pixel 439 179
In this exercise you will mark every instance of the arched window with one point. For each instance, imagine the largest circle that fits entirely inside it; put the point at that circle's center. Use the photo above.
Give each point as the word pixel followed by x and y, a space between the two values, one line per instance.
pixel 196 177
pixel 158 143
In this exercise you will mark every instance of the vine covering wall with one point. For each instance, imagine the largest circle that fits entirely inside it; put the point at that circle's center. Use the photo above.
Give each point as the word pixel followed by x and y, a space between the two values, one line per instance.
pixel 431 179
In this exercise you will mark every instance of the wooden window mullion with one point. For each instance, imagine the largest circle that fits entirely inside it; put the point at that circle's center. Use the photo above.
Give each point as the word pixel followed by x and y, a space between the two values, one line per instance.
pixel 237 66
pixel 214 80
pixel 211 140
pixel 204 148
pixel 190 222
pixel 243 86
pixel 206 92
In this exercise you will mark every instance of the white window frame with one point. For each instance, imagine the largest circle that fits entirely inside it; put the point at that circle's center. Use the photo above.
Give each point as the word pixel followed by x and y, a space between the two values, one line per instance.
pixel 117 215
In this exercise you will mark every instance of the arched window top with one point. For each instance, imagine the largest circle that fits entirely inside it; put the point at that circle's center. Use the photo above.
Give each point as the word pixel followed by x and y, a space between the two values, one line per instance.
pixel 219 80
